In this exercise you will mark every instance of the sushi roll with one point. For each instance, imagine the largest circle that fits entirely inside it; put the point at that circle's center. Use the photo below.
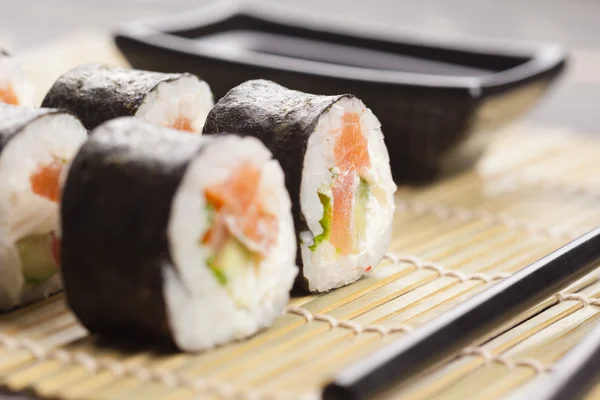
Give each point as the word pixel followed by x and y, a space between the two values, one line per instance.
pixel 14 86
pixel 36 146
pixel 165 239
pixel 337 173
pixel 97 93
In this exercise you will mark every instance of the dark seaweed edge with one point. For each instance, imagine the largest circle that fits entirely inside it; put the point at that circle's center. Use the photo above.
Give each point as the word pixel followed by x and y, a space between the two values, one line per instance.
pixel 120 293
pixel 116 98
pixel 8 131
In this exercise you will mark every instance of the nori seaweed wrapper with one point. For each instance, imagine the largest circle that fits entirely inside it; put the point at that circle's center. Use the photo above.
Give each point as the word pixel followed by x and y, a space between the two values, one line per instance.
pixel 13 119
pixel 97 93
pixel 283 120
pixel 115 213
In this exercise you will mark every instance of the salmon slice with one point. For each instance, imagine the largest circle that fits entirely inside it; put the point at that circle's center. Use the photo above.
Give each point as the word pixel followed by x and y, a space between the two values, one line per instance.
pixel 8 95
pixel 342 224
pixel 183 124
pixel 351 150
pixel 240 212
pixel 352 158
pixel 45 181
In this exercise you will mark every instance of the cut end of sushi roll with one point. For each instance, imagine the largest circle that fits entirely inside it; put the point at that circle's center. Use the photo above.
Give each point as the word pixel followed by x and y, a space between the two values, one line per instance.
pixel 181 103
pixel 234 245
pixel 33 160
pixel 15 89
pixel 199 246
pixel 337 173
pixel 97 93
pixel 346 197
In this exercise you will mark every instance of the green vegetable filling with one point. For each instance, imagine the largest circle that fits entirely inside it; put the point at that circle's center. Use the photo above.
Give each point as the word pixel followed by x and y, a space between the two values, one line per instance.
pixel 219 275
pixel 325 221
pixel 233 259
pixel 363 192
pixel 37 262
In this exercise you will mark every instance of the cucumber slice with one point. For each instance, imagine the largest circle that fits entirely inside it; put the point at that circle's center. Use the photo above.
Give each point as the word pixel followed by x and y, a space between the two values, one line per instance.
pixel 325 221
pixel 37 262
pixel 216 271
pixel 361 200
pixel 234 259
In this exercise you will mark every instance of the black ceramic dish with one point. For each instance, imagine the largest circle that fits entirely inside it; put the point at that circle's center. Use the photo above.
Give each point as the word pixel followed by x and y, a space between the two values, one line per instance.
pixel 437 100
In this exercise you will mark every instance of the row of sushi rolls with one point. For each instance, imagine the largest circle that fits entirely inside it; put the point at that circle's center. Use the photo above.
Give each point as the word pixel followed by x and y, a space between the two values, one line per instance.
pixel 166 217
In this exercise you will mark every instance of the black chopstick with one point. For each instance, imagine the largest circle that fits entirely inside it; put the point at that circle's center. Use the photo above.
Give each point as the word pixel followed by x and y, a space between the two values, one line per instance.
pixel 445 335
pixel 575 374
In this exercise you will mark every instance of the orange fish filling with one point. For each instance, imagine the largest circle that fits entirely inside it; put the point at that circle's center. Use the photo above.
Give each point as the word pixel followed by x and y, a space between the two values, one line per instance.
pixel 183 124
pixel 239 212
pixel 45 181
pixel 352 158
pixel 8 95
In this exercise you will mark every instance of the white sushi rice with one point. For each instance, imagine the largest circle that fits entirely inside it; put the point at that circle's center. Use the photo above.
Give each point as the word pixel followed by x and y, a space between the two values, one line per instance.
pixel 201 312
pixel 187 98
pixel 12 76
pixel 23 213
pixel 324 269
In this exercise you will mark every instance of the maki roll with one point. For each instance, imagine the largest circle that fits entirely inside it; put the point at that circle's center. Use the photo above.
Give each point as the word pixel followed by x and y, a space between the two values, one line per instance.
pixel 14 87
pixel 97 93
pixel 175 238
pixel 337 173
pixel 36 146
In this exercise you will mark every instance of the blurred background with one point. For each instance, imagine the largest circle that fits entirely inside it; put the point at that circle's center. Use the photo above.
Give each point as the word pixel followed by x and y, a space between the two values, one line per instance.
pixel 572 23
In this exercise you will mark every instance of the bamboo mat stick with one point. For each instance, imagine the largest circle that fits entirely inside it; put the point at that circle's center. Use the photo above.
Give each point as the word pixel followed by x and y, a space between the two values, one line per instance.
pixel 509 255
pixel 505 381
pixel 579 182
pixel 461 237
pixel 11 359
pixel 514 248
pixel 23 318
pixel 474 256
pixel 520 157
pixel 550 167
pixel 487 217
pixel 96 383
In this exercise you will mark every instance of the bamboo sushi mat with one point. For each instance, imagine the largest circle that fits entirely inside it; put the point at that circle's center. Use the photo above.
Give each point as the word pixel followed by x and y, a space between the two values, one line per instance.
pixel 534 191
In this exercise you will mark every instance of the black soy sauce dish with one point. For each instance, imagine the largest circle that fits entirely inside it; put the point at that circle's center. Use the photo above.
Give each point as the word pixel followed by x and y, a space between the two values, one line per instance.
pixel 438 100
